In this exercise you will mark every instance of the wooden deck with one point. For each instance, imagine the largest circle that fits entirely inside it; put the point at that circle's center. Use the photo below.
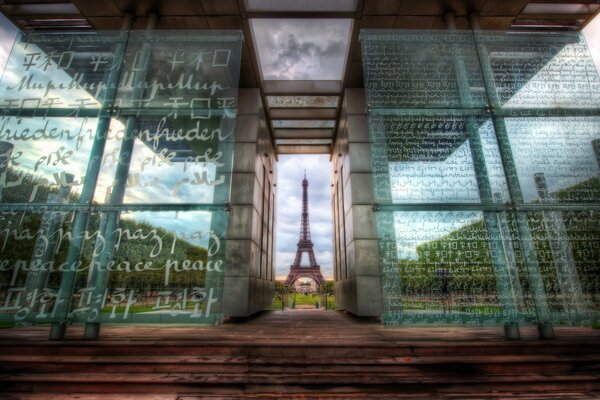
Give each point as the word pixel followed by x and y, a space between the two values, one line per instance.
pixel 299 354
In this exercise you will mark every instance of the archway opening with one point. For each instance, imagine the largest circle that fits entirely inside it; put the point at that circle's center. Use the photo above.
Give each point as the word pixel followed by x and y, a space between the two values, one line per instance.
pixel 304 245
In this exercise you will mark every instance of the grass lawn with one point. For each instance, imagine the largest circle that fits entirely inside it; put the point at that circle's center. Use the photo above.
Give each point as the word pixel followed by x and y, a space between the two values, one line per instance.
pixel 133 309
pixel 303 299
pixel 436 305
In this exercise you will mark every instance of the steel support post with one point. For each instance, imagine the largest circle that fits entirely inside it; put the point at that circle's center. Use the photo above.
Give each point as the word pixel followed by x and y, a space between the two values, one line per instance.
pixel 545 329
pixel 60 313
pixel 98 281
pixel 497 245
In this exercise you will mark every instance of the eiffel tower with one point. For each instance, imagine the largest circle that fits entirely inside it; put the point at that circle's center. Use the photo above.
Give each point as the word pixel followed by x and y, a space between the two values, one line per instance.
pixel 313 270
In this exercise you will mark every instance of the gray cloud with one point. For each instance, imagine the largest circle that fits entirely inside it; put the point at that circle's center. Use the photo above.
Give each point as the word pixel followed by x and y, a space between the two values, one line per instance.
pixel 302 49
pixel 294 53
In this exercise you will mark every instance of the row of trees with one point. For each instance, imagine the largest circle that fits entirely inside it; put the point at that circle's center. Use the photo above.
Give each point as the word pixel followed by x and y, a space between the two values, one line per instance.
pixel 465 254
pixel 20 230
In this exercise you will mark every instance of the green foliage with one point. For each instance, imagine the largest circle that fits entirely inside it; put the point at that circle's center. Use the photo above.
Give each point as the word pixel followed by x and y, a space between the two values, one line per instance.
pixel 27 225
pixel 464 253
pixel 581 192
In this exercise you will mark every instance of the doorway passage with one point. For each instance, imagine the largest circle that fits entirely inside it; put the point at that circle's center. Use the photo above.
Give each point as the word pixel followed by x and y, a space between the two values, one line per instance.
pixel 304 262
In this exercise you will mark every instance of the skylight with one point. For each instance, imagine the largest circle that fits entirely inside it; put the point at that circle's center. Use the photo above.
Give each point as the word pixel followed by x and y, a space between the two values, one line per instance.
pixel 302 123
pixel 560 8
pixel 301 6
pixel 302 49
pixel 303 101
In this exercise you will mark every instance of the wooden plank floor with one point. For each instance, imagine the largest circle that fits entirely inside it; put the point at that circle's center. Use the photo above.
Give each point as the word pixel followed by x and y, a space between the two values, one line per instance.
pixel 298 354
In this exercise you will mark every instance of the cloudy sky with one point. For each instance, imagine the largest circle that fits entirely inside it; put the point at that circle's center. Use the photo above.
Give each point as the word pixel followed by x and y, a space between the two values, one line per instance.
pixel 302 49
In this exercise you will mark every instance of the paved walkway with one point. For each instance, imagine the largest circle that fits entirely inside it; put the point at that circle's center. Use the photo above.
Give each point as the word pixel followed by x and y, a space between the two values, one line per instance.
pixel 300 327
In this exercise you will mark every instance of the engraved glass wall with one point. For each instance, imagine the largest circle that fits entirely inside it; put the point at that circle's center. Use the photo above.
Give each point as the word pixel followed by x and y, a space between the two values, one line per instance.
pixel 116 154
pixel 485 154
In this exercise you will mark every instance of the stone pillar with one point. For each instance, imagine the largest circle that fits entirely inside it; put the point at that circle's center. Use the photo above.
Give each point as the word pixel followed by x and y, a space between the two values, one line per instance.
pixel 249 262
pixel 357 276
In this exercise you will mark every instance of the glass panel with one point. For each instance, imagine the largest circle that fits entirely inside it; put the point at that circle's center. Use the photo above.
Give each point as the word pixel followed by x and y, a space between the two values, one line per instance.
pixel 303 101
pixel 166 267
pixel 172 168
pixel 44 156
pixel 418 69
pixel 556 158
pixel 33 256
pixel 302 49
pixel 447 229
pixel 451 269
pixel 568 252
pixel 91 125
pixel 159 259
pixel 421 157
pixel 301 142
pixel 539 71
pixel 46 72
pixel 183 72
pixel 291 123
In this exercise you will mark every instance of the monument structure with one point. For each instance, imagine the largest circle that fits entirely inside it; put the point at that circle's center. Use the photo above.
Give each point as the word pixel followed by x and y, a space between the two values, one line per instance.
pixel 140 156
pixel 305 245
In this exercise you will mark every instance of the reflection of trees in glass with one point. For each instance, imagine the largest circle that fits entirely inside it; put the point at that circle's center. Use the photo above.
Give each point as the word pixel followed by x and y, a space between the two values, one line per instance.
pixel 465 253
pixel 28 223
pixel 136 251
pixel 583 231
pixel 25 224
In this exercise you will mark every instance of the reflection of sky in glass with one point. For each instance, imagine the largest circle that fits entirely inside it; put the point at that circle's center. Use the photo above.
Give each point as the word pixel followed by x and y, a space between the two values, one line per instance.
pixel 184 224
pixel 551 85
pixel 450 180
pixel 558 147
pixel 42 74
pixel 39 156
pixel 163 179
pixel 160 180
pixel 7 32
pixel 29 153
pixel 430 181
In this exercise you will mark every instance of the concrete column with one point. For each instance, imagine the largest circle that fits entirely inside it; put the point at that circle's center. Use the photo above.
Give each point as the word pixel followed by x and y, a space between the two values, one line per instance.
pixel 358 280
pixel 249 277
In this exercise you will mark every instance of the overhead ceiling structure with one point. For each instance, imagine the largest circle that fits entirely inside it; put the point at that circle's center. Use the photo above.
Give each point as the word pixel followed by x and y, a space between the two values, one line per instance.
pixel 302 54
